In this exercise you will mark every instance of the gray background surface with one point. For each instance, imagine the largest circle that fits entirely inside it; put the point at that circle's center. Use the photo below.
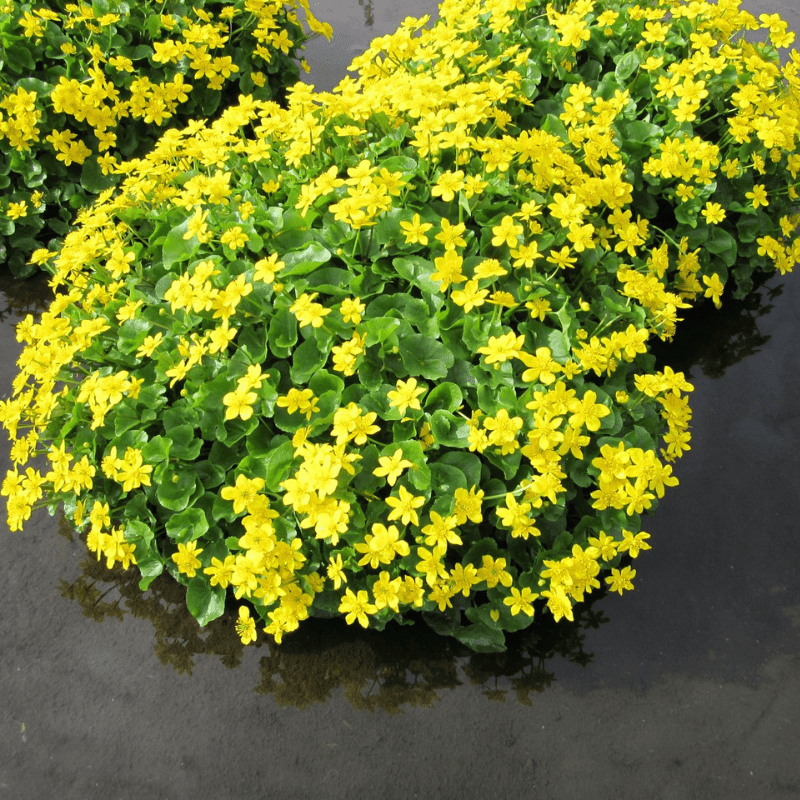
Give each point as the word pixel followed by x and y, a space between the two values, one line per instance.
pixel 693 689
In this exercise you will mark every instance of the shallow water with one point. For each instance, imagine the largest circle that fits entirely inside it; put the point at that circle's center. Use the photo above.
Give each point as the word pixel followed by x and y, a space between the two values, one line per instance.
pixel 687 688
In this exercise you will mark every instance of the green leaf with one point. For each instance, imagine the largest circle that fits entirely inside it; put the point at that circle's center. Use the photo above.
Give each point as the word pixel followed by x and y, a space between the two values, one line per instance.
pixel 449 430
pixel 722 244
pixel 153 25
pixel 175 486
pixel 559 345
pixel 370 372
pixel 156 450
pixel 643 201
pixel 417 271
pixel 307 359
pixel 553 125
pixel 282 333
pixel 128 415
pixel 279 464
pixel 404 307
pixel 301 262
pixel 491 400
pixel 148 561
pixel 205 602
pixel 579 475
pixel 175 248
pixel 19 59
pixel 324 381
pixel 365 480
pixel 402 164
pixel 35 85
pixel 388 229
pixel 425 356
pixel 259 441
pixel 92 178
pixel 640 131
pixel 446 396
pixel 379 329
pixel 627 64
pixel 132 333
pixel 330 280
pixel 748 228
pixel 187 525
pixel 468 463
pixel 481 638
pixel 253 340
pixel 483 547
pixel 446 478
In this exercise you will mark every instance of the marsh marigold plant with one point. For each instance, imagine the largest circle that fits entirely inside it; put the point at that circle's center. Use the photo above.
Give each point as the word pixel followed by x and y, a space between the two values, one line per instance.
pixel 84 86
pixel 387 350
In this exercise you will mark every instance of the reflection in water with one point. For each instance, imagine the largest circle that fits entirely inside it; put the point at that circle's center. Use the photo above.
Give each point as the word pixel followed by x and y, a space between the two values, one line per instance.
pixel 714 339
pixel 369 15
pixel 407 665
pixel 19 297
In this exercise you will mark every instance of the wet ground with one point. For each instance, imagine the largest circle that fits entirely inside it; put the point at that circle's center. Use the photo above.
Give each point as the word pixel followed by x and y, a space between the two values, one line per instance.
pixel 689 687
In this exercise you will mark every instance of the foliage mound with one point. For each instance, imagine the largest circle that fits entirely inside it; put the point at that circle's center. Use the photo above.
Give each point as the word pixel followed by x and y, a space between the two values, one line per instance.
pixel 387 350
pixel 84 86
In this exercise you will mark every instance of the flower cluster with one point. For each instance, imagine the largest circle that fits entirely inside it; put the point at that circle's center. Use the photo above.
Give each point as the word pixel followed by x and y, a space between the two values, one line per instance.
pixel 85 86
pixel 387 350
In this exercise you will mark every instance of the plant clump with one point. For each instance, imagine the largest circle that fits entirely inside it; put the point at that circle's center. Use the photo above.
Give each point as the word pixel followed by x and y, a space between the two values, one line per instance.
pixel 387 350
pixel 85 85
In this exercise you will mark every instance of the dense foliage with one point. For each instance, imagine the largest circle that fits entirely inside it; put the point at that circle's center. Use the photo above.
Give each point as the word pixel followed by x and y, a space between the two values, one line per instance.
pixel 85 85
pixel 387 350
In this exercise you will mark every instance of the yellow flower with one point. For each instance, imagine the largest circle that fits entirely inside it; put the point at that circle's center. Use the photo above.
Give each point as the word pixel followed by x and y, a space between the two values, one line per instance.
pixel 406 396
pixel 450 235
pixel 391 467
pixel 507 232
pixel 221 572
pixel 381 546
pixel 713 212
pixel 234 237
pixel 149 345
pixel 243 492
pixel 351 309
pixel 448 184
pixel 502 348
pixel 302 400
pixel 239 404
pixel 246 626
pixel 132 471
pixel 308 312
pixel 632 544
pixel 470 296
pixel 404 507
pixel 186 558
pixel 467 505
pixel 356 607
pixel 386 592
pixel 758 196
pixel 335 571
pixel 621 579
pixel 267 268
pixel 448 269
pixel 17 210
pixel 521 601
pixel 441 531
pixel 715 289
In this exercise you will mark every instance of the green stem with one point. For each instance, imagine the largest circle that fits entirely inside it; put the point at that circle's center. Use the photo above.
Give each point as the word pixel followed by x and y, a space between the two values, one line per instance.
pixel 666 236
pixel 365 256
